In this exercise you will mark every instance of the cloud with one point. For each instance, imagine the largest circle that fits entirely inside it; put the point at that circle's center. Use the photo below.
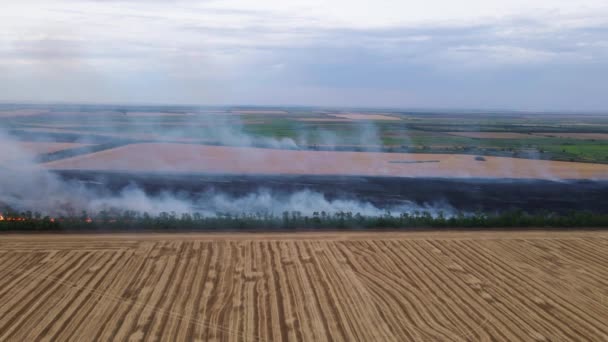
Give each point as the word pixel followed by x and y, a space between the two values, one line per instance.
pixel 238 51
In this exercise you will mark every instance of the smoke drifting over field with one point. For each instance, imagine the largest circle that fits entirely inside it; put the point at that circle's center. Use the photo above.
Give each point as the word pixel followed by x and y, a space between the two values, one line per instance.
pixel 230 130
pixel 25 185
pixel 196 161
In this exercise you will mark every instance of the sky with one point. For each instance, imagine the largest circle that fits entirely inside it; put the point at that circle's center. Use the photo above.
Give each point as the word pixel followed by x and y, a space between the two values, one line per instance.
pixel 467 54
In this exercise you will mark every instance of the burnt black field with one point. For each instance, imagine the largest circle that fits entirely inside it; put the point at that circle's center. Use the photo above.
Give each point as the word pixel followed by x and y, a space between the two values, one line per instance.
pixel 468 195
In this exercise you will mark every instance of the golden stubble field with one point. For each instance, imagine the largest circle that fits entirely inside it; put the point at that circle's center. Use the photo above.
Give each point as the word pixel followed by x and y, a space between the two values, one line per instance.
pixel 457 286
pixel 190 158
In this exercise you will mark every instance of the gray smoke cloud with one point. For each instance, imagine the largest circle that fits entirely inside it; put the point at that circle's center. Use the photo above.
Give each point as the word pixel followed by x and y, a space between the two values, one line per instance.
pixel 26 185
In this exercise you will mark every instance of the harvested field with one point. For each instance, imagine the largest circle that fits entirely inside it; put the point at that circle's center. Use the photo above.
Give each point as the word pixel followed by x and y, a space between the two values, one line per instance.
pixel 360 116
pixel 456 286
pixel 583 136
pixel 491 135
pixel 170 157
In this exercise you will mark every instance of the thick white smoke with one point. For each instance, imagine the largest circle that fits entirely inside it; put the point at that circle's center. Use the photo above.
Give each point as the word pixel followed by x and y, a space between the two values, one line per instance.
pixel 305 201
pixel 25 185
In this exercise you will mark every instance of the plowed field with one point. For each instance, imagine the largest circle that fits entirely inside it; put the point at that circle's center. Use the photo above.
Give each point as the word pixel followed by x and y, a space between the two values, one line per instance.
pixel 311 286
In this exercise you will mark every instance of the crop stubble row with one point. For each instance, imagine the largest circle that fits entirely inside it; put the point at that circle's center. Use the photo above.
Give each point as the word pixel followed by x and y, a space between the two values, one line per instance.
pixel 392 289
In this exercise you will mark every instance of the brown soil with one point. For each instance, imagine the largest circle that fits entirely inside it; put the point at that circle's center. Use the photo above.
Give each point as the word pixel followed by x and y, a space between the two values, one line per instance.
pixel 500 286
pixel 168 157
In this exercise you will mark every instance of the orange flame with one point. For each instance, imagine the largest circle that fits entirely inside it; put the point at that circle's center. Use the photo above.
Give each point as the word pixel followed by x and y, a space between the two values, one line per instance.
pixel 23 219
pixel 11 219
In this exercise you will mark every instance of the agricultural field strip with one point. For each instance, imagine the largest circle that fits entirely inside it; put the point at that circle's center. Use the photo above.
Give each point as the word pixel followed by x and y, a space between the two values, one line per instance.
pixel 175 157
pixel 540 135
pixel 308 289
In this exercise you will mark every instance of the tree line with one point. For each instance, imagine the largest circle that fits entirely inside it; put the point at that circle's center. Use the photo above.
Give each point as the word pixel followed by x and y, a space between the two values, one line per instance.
pixel 293 220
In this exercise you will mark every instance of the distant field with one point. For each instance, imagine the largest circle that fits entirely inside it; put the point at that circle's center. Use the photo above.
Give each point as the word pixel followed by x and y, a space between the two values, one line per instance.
pixel 576 137
pixel 453 286
pixel 47 147
pixel 247 112
pixel 362 116
pixel 323 120
pixel 491 135
pixel 584 136
pixel 158 114
pixel 169 157
pixel 34 148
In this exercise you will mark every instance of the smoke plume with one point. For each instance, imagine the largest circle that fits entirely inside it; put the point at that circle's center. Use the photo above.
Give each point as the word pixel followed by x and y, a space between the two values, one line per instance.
pixel 26 185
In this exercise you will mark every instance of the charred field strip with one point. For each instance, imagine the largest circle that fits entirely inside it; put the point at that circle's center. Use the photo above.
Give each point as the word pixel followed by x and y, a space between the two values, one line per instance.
pixel 72 152
pixel 486 195
pixel 503 286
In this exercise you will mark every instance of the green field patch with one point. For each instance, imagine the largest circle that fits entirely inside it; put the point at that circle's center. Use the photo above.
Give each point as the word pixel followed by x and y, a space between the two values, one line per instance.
pixel 583 152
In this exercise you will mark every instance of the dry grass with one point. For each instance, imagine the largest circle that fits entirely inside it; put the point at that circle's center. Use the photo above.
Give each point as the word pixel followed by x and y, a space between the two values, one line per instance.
pixel 313 287
pixel 491 135
pixel 168 157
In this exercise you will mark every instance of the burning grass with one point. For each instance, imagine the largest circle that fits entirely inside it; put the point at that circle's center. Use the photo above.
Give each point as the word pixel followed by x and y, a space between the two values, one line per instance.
pixel 185 158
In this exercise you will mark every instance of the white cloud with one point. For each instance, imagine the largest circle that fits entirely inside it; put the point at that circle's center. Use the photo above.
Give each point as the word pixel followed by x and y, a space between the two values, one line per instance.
pixel 493 55
pixel 201 51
